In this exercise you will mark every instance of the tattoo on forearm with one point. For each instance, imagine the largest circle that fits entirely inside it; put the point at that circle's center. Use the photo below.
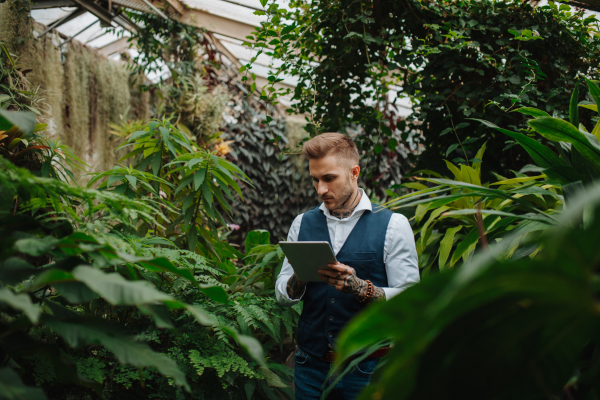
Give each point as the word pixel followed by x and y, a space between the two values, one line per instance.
pixel 378 295
pixel 353 285
pixel 295 287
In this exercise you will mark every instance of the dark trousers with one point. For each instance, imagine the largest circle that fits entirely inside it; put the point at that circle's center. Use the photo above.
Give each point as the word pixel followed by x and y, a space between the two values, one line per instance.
pixel 310 378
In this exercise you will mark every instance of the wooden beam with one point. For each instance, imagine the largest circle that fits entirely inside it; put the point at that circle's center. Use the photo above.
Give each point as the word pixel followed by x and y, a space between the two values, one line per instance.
pixel 217 24
pixel 103 14
pixel 195 17
pixel 41 4
pixel 593 5
pixel 177 6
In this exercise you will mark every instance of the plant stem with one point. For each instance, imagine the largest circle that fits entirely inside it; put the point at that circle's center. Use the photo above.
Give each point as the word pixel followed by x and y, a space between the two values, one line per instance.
pixel 456 134
pixel 480 227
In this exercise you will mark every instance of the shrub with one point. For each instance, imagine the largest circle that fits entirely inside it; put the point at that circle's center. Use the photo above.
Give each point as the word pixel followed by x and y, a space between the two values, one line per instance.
pixel 465 214
pixel 88 300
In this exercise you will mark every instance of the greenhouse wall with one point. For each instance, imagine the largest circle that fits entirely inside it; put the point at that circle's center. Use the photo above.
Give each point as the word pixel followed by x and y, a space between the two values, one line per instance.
pixel 81 90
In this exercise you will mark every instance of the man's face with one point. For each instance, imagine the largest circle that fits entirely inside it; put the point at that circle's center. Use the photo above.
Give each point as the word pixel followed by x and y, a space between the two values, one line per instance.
pixel 334 180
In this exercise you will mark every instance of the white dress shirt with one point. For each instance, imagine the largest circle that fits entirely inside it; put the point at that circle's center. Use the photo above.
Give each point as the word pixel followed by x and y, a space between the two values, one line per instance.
pixel 400 254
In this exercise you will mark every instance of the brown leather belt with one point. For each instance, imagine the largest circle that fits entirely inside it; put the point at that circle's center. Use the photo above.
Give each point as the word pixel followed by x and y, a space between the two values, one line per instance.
pixel 330 355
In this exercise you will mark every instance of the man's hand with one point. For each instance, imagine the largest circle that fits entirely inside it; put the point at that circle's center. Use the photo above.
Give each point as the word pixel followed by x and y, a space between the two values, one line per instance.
pixel 295 287
pixel 343 278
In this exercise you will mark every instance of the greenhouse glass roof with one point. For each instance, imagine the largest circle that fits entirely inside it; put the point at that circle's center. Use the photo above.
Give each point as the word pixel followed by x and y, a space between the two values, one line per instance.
pixel 229 21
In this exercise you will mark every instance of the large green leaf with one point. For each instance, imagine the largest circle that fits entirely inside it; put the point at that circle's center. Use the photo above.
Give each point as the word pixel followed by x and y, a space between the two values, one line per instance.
pixel 13 270
pixel 542 155
pixel 12 388
pixel 126 349
pixel 24 120
pixel 534 112
pixel 35 246
pixel 248 343
pixel 465 245
pixel 594 91
pixel 446 245
pixel 432 219
pixel 75 292
pixel 561 131
pixel 116 289
pixel 563 173
pixel 197 312
pixel 162 264
pixel 534 217
pixel 216 293
pixel 573 106
pixel 21 302
pixel 490 322
pixel 256 238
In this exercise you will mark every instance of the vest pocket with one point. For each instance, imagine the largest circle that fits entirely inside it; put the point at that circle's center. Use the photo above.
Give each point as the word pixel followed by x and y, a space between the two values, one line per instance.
pixel 363 256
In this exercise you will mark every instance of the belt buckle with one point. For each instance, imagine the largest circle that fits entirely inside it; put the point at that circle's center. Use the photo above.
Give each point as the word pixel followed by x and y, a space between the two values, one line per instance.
pixel 328 356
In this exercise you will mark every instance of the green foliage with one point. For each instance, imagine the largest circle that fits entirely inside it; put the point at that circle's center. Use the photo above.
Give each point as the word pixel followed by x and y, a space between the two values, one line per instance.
pixel 461 214
pixel 262 265
pixel 524 328
pixel 192 184
pixel 15 91
pixel 253 137
pixel 454 60
pixel 84 294
pixel 164 41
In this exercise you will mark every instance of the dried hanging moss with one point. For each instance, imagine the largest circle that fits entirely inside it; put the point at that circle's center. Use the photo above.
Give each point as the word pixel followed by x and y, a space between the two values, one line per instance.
pixel 15 31
pixel 47 74
pixel 96 92
pixel 83 91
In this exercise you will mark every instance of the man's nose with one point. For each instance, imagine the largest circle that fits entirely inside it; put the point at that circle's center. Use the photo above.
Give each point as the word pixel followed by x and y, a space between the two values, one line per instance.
pixel 321 189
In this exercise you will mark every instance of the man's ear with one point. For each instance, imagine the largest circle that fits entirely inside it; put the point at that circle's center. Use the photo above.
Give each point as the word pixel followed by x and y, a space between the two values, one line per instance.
pixel 355 172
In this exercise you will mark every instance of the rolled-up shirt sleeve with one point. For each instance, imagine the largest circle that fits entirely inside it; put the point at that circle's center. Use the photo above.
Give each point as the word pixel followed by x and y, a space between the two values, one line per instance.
pixel 401 261
pixel 286 270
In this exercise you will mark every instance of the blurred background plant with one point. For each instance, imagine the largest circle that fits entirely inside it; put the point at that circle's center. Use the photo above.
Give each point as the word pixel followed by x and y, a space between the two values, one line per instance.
pixel 518 328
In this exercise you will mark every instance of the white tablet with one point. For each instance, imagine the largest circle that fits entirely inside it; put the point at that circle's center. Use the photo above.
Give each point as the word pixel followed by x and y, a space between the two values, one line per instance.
pixel 308 257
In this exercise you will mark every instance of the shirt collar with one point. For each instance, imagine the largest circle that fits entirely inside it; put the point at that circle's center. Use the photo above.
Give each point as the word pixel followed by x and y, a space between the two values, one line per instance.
pixel 363 204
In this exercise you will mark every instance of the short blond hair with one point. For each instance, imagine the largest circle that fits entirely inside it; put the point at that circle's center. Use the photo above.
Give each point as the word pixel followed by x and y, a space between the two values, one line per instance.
pixel 331 143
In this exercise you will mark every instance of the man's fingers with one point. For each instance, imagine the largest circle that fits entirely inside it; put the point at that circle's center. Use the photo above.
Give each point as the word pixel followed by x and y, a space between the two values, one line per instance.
pixel 325 272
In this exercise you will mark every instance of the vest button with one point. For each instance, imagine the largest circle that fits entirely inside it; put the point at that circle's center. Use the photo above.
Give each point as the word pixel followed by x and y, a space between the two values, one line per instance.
pixel 331 317
pixel 332 300
pixel 329 334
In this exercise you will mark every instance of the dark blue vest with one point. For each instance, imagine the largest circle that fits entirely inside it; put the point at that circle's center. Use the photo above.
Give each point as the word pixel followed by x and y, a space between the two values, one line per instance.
pixel 326 310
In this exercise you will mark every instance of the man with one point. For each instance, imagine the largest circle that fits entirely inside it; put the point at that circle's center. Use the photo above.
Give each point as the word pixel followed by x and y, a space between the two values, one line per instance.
pixel 376 255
